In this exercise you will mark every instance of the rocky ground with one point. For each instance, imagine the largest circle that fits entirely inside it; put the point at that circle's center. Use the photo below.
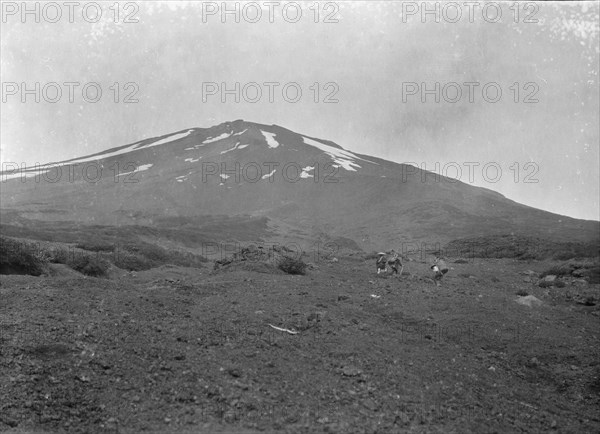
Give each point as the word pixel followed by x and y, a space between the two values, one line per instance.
pixel 193 350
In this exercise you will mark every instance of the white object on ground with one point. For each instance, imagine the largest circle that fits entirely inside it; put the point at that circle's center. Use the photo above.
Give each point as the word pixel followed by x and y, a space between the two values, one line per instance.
pixel 292 332
pixel 529 301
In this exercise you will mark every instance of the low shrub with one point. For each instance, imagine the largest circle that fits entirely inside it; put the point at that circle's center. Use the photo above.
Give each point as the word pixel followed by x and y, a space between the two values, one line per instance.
pixel 522 293
pixel 132 262
pixel 587 268
pixel 292 266
pixel 95 246
pixel 20 257
pixel 143 256
pixel 593 275
pixel 89 265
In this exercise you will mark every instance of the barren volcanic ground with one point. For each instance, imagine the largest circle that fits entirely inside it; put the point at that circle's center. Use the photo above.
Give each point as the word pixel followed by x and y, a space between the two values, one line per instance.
pixel 191 350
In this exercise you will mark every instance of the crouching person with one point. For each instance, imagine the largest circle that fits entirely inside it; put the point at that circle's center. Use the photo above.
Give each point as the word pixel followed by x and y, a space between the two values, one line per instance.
pixel 439 268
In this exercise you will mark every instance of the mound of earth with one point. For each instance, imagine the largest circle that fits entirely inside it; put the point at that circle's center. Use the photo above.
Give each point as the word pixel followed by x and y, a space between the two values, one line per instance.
pixel 256 258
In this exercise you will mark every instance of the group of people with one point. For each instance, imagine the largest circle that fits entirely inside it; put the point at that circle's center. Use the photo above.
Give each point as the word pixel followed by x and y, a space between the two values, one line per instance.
pixel 438 267
pixel 393 261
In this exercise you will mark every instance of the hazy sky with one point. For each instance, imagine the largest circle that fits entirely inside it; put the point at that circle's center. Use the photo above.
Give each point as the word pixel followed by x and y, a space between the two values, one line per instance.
pixel 369 53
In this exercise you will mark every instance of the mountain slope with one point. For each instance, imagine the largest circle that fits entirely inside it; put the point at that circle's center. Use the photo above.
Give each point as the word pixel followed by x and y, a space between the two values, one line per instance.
pixel 304 185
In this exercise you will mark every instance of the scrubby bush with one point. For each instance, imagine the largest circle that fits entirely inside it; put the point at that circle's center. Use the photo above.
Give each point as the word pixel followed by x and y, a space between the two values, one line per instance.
pixel 58 255
pixel 560 284
pixel 132 262
pixel 20 257
pixel 95 246
pixel 593 275
pixel 545 284
pixel 522 293
pixel 151 252
pixel 89 265
pixel 586 268
pixel 292 266
pixel 143 256
pixel 521 247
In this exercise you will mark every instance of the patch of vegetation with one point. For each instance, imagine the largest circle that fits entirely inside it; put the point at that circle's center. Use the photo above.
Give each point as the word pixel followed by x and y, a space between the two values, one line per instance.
pixel 20 257
pixel 545 284
pixel 522 293
pixel 89 265
pixel 131 261
pixel 520 247
pixel 292 266
pixel 144 256
pixel 586 268
pixel 559 284
pixel 100 246
pixel 593 275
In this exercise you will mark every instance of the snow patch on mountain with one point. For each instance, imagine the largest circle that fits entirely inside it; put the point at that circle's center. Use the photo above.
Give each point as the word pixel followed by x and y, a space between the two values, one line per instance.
pixel 241 132
pixel 305 174
pixel 139 169
pixel 271 142
pixel 133 147
pixel 168 139
pixel 268 175
pixel 341 157
pixel 192 160
pixel 182 178
pixel 219 137
pixel 232 149
pixel 18 173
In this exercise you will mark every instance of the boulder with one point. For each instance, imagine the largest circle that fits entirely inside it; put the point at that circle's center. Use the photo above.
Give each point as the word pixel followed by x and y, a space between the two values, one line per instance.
pixel 550 278
pixel 529 301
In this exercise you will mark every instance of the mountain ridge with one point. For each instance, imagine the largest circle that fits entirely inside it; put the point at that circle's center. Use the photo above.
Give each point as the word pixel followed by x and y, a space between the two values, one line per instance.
pixel 297 181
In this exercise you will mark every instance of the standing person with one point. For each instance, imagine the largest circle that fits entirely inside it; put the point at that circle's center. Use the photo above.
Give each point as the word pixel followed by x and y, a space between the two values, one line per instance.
pixel 439 268
pixel 395 262
pixel 381 262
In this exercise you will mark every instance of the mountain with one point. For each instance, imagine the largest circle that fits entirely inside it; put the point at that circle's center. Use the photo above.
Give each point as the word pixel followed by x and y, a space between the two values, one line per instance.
pixel 306 188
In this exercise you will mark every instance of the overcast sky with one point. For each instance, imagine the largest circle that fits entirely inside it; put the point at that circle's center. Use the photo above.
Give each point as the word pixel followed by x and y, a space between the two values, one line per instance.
pixel 365 55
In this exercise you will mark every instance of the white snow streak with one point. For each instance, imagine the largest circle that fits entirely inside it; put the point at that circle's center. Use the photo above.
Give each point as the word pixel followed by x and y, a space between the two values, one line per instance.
pixel 268 175
pixel 342 157
pixel 271 142
pixel 216 139
pixel 139 169
pixel 305 174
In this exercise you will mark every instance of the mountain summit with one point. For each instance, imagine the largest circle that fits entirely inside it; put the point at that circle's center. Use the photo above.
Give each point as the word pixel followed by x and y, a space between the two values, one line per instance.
pixel 303 185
